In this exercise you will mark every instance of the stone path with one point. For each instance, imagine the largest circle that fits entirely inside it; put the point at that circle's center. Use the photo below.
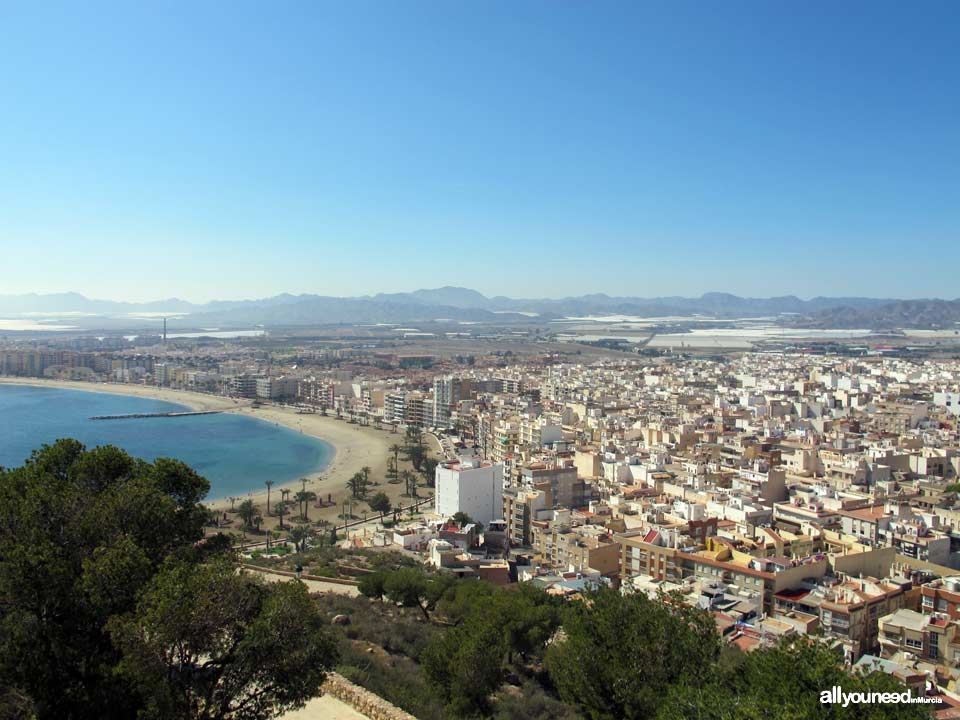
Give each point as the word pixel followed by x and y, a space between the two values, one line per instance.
pixel 325 707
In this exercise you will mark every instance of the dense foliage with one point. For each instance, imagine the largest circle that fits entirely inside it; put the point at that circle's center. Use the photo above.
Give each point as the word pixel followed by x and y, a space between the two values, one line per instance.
pixel 621 653
pixel 112 605
pixel 784 683
pixel 519 652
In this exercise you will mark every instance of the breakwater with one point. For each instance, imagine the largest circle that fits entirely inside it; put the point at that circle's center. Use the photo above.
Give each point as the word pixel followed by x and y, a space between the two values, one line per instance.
pixel 136 416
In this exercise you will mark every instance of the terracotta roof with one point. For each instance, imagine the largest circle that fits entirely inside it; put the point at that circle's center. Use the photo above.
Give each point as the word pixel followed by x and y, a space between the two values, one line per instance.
pixel 874 512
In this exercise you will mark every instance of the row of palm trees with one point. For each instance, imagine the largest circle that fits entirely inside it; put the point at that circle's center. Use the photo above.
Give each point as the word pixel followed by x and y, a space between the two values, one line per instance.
pixel 299 534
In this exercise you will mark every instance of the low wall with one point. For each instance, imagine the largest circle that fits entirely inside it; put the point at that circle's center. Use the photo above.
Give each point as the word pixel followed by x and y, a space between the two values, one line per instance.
pixel 355 571
pixel 362 700
pixel 303 576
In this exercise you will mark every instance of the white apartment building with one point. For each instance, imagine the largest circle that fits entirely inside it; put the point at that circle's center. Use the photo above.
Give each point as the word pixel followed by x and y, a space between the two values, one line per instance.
pixel 470 486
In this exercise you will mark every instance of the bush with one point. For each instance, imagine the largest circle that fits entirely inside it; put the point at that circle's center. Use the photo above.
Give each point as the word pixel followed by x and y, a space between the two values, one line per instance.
pixel 398 680
pixel 531 702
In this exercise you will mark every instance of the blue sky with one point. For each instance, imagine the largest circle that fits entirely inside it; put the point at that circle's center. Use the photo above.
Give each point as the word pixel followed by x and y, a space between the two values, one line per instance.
pixel 241 149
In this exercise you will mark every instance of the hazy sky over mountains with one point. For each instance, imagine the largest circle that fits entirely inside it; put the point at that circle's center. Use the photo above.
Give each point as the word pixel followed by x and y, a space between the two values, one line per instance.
pixel 211 149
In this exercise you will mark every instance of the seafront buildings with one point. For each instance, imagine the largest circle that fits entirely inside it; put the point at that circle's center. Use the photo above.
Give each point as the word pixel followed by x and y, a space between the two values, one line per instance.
pixel 785 493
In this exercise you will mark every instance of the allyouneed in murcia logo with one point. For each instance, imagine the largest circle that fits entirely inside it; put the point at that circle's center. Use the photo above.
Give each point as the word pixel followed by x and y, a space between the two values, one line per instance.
pixel 836 696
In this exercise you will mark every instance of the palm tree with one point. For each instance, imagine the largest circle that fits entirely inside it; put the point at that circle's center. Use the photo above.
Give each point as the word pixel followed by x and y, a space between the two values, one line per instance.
pixel 281 508
pixel 248 511
pixel 366 475
pixel 299 535
pixel 356 485
pixel 269 484
pixel 410 481
pixel 396 450
pixel 304 497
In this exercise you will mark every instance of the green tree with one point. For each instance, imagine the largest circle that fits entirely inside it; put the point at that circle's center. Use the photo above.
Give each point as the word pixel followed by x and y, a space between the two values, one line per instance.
pixel 461 518
pixel 300 534
pixel 410 483
pixel 413 437
pixel 464 666
pixel 416 454
pixel 782 683
pixel 206 642
pixel 304 498
pixel 357 486
pixel 622 653
pixel 372 585
pixel 408 587
pixel 82 531
pixel 528 618
pixel 281 509
pixel 396 450
pixel 380 503
pixel 248 511
pixel 269 484
pixel 430 471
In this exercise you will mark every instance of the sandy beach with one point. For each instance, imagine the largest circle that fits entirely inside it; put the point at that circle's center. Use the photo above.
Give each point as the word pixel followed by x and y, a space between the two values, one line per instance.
pixel 193 400
pixel 355 446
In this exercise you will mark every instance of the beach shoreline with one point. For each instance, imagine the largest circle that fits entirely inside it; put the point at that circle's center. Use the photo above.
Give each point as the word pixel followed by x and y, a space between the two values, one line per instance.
pixel 354 447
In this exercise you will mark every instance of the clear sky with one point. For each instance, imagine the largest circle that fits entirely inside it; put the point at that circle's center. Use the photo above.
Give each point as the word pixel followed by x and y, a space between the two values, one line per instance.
pixel 240 149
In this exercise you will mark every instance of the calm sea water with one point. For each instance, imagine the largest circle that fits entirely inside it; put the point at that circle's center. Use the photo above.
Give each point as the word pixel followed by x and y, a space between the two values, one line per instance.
pixel 236 454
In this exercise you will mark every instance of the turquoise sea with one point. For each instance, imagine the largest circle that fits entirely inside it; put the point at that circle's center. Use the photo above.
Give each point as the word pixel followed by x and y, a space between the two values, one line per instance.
pixel 236 454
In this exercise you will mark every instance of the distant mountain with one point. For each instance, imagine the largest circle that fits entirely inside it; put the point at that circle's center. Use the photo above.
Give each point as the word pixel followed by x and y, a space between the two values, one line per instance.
pixel 463 304
pixel 449 296
pixel 77 303
pixel 944 314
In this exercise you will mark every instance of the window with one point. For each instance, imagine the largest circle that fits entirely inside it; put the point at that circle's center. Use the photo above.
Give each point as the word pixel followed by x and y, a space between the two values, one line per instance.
pixel 915 644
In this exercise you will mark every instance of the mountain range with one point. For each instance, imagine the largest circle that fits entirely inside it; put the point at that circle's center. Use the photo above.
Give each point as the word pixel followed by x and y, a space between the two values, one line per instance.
pixel 462 304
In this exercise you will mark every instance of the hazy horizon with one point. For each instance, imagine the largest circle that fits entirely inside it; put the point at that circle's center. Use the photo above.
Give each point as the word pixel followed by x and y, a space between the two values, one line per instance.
pixel 527 150
pixel 240 298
